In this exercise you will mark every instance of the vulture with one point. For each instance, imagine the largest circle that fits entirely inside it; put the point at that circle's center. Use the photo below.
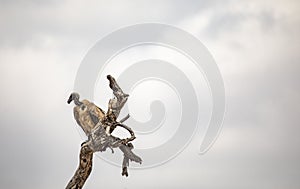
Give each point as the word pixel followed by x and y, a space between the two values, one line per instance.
pixel 86 113
pixel 98 125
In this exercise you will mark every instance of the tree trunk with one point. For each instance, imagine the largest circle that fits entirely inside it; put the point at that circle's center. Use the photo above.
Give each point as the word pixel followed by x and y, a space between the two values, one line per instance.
pixel 84 169
pixel 100 138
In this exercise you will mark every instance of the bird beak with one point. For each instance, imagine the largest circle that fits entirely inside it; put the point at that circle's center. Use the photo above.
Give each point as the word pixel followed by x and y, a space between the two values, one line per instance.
pixel 70 99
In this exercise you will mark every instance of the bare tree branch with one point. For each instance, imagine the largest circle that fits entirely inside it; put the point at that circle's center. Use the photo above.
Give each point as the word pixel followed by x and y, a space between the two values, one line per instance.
pixel 98 126
pixel 84 169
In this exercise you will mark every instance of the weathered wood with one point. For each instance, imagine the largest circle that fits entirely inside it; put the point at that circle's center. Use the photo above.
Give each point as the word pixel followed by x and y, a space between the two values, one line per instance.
pixel 98 126
pixel 84 169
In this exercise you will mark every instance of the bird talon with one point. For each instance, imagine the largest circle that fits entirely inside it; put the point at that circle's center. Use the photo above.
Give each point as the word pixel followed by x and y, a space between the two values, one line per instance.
pixel 124 141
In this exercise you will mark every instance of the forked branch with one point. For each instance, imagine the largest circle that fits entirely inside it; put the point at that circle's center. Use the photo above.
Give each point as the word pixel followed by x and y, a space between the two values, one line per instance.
pixel 98 126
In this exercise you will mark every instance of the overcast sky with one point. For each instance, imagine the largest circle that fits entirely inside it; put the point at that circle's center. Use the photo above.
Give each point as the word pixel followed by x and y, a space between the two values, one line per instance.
pixel 256 47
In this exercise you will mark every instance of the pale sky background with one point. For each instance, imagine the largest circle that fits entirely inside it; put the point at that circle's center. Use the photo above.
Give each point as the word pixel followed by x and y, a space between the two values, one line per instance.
pixel 255 44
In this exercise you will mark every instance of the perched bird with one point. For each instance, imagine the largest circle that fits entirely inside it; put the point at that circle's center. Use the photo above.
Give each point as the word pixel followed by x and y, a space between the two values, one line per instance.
pixel 98 126
pixel 86 113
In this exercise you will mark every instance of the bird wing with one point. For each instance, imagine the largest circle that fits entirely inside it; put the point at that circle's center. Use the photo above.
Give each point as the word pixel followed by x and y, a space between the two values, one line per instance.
pixel 96 113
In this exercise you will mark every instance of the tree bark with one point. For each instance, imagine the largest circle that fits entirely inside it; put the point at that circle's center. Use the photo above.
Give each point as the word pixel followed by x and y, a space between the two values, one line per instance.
pixel 84 169
pixel 100 138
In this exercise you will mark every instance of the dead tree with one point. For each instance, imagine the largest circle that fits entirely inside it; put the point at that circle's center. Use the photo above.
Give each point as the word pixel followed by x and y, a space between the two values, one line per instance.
pixel 98 127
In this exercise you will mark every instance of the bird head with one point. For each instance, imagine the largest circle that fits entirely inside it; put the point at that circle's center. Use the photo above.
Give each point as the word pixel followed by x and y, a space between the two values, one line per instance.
pixel 73 96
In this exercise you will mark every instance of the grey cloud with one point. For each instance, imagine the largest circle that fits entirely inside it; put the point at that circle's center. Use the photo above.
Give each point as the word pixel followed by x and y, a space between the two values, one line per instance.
pixel 42 44
pixel 30 22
